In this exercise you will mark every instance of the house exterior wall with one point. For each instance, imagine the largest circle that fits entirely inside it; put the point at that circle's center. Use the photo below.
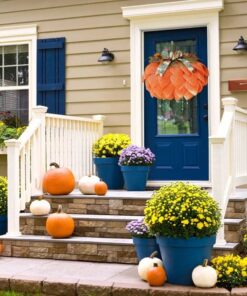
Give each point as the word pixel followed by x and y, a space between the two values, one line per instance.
pixel 91 25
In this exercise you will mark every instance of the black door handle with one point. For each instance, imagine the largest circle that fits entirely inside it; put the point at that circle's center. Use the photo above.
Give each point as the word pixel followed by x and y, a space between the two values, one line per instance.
pixel 205 106
pixel 205 117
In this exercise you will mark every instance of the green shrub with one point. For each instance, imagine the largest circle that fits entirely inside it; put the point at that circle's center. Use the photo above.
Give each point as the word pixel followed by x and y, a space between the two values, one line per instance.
pixel 3 195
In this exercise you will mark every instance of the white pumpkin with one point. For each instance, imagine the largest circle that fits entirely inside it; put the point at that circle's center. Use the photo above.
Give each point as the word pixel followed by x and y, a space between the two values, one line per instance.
pixel 204 276
pixel 87 183
pixel 40 207
pixel 146 263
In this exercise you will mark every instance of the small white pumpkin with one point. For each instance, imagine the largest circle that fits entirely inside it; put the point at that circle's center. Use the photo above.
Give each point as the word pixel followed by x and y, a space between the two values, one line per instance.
pixel 40 207
pixel 87 183
pixel 146 263
pixel 204 276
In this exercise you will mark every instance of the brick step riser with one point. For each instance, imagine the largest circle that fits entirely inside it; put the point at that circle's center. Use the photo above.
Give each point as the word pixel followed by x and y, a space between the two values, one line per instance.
pixel 233 232
pixel 84 228
pixel 70 251
pixel 77 252
pixel 100 206
pixel 236 209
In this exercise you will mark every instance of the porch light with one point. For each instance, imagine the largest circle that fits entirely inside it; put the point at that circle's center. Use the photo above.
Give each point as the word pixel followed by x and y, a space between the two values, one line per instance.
pixel 241 45
pixel 106 56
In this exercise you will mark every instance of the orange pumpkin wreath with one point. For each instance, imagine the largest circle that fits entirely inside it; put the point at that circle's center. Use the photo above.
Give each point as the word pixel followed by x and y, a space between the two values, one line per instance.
pixel 175 75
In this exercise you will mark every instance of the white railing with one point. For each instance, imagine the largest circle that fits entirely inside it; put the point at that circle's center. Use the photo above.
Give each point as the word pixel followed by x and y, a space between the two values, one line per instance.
pixel 66 140
pixel 229 155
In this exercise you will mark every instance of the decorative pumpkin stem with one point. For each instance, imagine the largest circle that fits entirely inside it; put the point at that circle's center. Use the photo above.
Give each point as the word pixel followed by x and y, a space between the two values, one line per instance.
pixel 156 264
pixel 59 209
pixel 205 263
pixel 155 253
pixel 55 165
pixel 40 197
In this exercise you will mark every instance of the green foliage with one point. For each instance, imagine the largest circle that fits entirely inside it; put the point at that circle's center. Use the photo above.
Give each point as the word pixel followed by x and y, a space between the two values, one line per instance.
pixel 7 132
pixel 182 210
pixel 3 195
pixel 110 145
pixel 231 270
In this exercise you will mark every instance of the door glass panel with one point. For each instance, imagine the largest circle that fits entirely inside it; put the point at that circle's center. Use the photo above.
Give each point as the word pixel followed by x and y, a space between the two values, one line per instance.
pixel 177 117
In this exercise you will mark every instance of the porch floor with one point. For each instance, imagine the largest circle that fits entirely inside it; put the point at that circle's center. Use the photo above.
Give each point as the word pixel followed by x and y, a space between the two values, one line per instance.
pixel 52 277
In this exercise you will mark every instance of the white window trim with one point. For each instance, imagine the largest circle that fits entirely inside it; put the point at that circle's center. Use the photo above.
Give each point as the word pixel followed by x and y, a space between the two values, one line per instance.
pixel 20 35
pixel 173 15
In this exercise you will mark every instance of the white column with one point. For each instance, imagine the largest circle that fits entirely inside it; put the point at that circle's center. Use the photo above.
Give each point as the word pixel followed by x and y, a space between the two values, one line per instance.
pixel 101 119
pixel 13 147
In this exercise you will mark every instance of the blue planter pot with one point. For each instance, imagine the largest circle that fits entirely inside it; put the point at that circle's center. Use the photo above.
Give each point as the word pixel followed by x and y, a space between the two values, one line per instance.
pixel 3 224
pixel 109 171
pixel 145 247
pixel 135 177
pixel 181 256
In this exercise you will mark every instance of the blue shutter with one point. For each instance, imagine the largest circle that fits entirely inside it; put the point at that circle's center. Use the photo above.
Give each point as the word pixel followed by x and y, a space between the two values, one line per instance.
pixel 51 74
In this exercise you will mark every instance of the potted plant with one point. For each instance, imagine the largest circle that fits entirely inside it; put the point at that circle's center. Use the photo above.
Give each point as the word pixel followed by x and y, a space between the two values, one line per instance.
pixel 145 243
pixel 106 152
pixel 185 219
pixel 135 163
pixel 3 204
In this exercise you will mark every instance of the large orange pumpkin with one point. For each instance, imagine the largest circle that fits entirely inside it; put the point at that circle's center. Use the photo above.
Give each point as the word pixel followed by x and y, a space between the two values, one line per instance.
pixel 59 224
pixel 58 181
pixel 177 81
pixel 100 188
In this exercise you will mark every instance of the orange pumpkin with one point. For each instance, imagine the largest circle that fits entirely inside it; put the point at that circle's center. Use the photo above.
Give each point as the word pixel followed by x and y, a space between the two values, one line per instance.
pixel 1 248
pixel 58 181
pixel 177 81
pixel 156 275
pixel 100 188
pixel 59 224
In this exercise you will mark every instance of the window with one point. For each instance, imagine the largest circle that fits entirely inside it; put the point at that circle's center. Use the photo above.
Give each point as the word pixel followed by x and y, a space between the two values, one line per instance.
pixel 14 80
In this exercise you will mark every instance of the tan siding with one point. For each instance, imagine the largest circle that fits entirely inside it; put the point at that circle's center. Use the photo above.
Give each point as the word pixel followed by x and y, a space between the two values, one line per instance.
pixel 233 23
pixel 91 25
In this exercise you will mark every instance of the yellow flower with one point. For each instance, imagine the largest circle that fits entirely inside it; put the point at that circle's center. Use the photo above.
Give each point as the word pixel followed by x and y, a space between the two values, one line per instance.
pixel 200 225
pixel 185 222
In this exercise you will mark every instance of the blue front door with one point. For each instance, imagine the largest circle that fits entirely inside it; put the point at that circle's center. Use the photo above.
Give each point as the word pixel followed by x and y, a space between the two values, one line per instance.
pixel 177 132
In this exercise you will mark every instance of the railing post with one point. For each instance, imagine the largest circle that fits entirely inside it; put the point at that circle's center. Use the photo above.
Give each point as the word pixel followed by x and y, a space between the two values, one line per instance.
pixel 13 147
pixel 101 119
pixel 39 167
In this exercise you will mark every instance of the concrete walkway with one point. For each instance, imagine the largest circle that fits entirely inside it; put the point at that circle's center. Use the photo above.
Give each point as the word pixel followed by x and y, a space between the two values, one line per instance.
pixel 69 278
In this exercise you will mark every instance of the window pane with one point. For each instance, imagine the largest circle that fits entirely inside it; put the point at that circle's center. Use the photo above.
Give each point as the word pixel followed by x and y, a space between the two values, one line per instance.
pixel 23 75
pixel 1 56
pixel 15 101
pixel 1 76
pixel 9 76
pixel 175 118
pixel 23 54
pixel 10 55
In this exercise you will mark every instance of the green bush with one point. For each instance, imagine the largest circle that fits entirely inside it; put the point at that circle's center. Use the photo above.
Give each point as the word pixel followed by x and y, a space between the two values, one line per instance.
pixel 3 195
pixel 9 132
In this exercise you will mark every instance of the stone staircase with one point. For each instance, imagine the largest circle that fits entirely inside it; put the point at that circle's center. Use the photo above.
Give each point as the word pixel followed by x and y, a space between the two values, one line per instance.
pixel 100 234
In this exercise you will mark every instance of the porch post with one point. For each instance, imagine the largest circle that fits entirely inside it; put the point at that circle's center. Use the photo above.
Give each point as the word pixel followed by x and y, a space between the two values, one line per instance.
pixel 13 147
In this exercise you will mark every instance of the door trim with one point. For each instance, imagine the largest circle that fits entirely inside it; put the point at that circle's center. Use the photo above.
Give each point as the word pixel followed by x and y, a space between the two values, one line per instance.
pixel 162 16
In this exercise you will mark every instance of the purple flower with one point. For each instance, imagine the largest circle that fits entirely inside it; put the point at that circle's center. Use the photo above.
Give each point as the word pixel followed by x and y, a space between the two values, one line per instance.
pixel 135 155
pixel 138 228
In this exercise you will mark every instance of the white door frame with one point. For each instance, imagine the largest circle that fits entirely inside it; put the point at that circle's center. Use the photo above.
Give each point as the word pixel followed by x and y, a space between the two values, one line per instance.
pixel 173 15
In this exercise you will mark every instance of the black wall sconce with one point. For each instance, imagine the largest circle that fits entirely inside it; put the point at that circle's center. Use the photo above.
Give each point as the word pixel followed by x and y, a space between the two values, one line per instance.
pixel 241 45
pixel 106 56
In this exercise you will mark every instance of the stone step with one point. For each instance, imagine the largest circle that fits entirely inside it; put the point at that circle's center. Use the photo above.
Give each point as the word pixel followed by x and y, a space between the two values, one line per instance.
pixel 115 202
pixel 85 225
pixel 93 249
pixel 233 229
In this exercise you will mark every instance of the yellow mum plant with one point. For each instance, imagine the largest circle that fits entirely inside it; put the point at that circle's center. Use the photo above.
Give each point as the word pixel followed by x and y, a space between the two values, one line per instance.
pixel 182 210
pixel 110 145
pixel 231 270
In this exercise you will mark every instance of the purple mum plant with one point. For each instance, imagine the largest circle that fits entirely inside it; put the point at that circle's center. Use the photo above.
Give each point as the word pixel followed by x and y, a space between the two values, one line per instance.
pixel 135 155
pixel 138 228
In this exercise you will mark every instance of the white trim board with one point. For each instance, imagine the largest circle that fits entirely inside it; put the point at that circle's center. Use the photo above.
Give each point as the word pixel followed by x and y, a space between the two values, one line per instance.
pixel 19 35
pixel 173 15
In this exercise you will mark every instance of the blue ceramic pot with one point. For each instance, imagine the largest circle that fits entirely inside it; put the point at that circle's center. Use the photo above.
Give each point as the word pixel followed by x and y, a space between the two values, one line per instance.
pixel 145 247
pixel 181 256
pixel 3 224
pixel 109 171
pixel 135 177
